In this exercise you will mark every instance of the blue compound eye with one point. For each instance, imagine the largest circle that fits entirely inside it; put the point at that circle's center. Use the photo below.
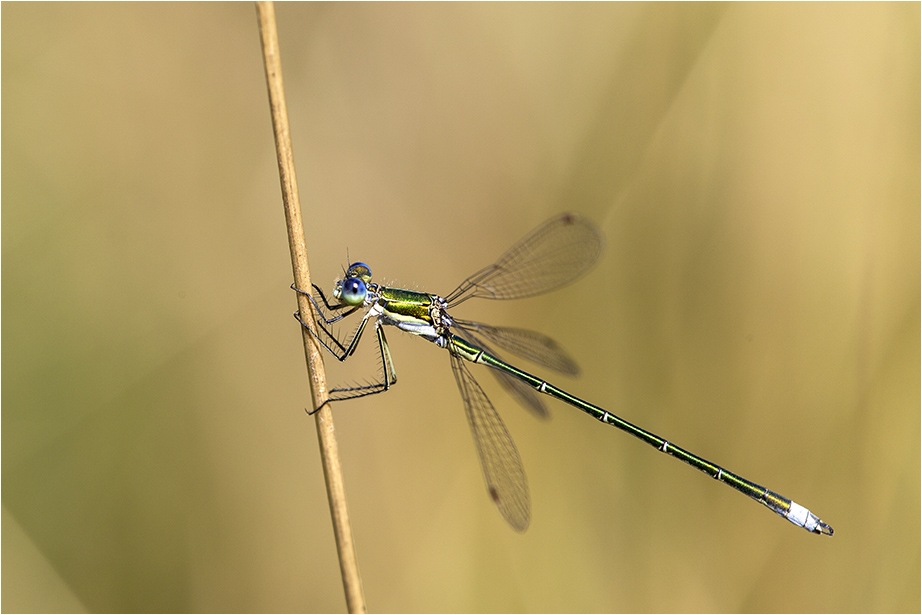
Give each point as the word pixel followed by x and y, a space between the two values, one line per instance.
pixel 352 291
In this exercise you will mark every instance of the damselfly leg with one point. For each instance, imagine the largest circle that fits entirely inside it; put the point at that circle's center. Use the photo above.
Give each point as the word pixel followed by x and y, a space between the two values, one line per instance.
pixel 343 351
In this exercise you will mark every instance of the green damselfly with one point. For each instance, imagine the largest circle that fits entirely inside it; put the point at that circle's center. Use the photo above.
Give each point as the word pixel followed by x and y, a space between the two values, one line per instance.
pixel 555 254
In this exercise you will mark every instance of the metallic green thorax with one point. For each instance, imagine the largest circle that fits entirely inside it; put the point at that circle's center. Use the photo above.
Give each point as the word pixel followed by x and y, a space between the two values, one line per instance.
pixel 402 305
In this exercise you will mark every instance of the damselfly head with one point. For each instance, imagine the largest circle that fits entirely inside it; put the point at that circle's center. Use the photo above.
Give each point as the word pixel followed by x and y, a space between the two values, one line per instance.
pixel 353 288
pixel 359 270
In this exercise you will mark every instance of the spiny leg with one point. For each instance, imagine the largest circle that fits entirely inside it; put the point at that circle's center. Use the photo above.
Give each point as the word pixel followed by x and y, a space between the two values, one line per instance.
pixel 327 317
pixel 330 308
pixel 342 350
pixel 387 367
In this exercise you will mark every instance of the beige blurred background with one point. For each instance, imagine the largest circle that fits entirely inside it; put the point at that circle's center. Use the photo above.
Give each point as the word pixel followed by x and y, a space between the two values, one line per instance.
pixel 755 169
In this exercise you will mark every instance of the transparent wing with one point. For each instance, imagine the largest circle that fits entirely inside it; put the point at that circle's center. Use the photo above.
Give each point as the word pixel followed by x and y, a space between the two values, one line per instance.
pixel 499 459
pixel 527 397
pixel 524 394
pixel 536 347
pixel 553 255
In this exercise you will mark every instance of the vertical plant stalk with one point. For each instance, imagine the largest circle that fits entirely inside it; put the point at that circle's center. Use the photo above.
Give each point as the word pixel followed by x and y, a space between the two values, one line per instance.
pixel 329 451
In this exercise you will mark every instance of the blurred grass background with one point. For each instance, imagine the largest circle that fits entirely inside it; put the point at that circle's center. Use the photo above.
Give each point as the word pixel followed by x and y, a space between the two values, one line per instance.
pixel 755 169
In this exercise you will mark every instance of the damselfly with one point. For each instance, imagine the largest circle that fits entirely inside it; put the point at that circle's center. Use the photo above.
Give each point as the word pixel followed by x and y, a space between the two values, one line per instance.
pixel 553 255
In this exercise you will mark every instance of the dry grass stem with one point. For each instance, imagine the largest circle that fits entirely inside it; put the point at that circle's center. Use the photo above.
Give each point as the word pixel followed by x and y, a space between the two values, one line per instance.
pixel 329 452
